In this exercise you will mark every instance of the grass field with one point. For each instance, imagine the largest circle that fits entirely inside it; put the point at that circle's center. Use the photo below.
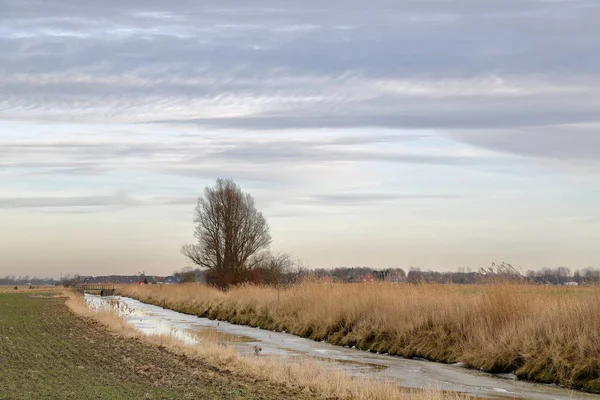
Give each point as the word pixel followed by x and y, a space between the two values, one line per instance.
pixel 545 334
pixel 47 352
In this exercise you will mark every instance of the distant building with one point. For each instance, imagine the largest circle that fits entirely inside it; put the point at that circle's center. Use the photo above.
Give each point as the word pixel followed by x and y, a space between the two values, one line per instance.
pixel 368 278
pixel 170 280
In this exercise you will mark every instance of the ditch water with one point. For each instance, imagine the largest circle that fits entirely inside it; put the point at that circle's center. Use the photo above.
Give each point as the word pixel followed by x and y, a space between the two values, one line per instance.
pixel 410 373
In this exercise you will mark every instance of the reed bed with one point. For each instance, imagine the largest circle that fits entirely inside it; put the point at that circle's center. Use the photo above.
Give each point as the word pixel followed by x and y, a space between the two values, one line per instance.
pixel 546 334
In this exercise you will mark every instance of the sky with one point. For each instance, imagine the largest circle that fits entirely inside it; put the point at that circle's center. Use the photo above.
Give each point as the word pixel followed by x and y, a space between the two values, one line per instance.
pixel 433 134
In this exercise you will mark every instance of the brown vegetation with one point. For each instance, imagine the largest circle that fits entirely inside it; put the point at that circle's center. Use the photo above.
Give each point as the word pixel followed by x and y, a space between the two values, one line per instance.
pixel 542 333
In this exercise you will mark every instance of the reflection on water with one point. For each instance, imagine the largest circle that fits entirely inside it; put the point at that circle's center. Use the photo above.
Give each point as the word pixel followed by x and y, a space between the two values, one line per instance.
pixel 214 335
pixel 153 320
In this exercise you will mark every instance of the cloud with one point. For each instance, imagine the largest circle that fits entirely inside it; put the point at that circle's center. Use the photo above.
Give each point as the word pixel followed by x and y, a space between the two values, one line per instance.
pixel 92 201
pixel 362 199
pixel 591 220
pixel 66 201
pixel 569 142
pixel 260 93
pixel 274 66
pixel 240 154
pixel 87 202
pixel 517 77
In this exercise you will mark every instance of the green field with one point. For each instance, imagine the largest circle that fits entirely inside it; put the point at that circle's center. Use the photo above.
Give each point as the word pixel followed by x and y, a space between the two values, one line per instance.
pixel 46 352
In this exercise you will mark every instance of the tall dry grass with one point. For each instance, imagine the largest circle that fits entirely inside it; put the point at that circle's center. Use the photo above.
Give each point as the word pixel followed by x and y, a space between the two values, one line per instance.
pixel 542 333
pixel 321 381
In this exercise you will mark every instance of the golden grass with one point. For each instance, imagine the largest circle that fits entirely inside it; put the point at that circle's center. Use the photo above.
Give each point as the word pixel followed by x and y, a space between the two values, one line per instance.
pixel 543 333
pixel 321 381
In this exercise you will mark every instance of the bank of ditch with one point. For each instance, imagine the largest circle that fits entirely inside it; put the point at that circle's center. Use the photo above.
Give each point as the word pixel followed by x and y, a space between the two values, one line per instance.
pixel 53 350
pixel 542 334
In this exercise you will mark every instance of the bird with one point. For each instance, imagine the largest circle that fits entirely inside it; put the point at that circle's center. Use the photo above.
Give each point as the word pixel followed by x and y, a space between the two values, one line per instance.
pixel 257 349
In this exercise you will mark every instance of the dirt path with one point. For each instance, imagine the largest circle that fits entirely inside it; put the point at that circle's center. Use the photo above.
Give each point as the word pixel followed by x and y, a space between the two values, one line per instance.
pixel 47 352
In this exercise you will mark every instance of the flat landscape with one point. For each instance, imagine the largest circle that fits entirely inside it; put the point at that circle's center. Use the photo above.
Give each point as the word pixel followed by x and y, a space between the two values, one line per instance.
pixel 285 199
pixel 47 352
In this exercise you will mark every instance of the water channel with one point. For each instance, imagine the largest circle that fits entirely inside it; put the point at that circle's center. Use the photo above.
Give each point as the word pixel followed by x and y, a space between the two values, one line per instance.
pixel 411 373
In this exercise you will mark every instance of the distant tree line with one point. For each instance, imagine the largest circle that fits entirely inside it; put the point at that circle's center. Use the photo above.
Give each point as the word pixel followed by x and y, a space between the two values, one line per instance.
pixel 503 272
pixel 357 274
pixel 27 280
pixel 494 273
pixel 189 274
pixel 563 275
pixel 281 268
pixel 70 279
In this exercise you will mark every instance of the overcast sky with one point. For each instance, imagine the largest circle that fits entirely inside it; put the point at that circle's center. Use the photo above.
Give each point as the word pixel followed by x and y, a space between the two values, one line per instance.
pixel 387 133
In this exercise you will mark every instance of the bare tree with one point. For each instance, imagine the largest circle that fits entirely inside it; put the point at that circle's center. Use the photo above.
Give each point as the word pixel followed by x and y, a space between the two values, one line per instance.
pixel 274 268
pixel 229 231
pixel 70 280
pixel 187 275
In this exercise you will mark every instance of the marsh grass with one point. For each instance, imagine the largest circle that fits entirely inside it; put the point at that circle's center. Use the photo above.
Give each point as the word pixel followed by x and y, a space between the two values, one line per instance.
pixel 542 333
